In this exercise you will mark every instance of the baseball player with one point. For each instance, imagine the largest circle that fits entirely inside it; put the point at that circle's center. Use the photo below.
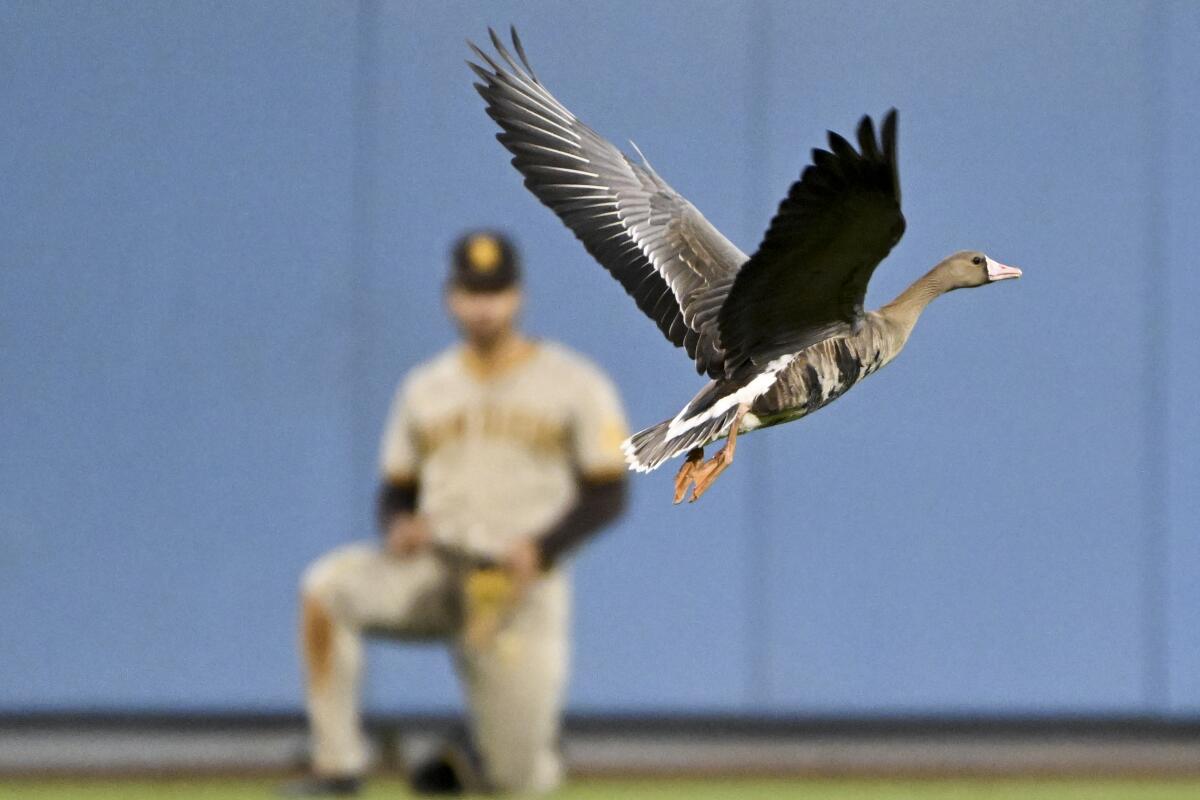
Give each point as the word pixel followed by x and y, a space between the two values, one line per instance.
pixel 500 457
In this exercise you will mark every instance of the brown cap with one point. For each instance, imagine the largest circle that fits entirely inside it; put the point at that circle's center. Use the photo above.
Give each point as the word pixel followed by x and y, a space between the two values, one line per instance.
pixel 484 261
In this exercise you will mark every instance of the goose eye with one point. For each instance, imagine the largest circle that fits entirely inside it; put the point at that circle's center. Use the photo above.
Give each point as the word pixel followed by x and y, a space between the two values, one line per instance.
pixel 977 260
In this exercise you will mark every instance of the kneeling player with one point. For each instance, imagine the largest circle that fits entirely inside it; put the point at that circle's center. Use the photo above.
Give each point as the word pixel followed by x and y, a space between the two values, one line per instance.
pixel 501 455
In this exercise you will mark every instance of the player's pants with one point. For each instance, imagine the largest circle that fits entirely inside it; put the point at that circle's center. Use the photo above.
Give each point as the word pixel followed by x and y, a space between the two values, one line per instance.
pixel 514 687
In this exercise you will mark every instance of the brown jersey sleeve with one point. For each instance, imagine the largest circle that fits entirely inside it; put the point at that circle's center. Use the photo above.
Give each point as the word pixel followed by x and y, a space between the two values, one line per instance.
pixel 398 459
pixel 599 503
pixel 597 429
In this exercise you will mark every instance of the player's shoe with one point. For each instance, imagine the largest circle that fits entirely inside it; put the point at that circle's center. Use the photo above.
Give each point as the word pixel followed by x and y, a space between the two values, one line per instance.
pixel 322 787
pixel 454 770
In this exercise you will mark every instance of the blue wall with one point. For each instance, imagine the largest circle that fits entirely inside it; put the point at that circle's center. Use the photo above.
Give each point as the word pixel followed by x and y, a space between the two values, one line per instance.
pixel 223 235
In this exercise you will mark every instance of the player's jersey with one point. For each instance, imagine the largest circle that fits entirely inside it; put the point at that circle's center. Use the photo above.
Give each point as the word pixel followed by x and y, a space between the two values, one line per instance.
pixel 499 456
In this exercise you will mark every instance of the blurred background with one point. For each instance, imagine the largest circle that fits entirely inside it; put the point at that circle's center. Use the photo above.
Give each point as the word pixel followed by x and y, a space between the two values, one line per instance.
pixel 223 236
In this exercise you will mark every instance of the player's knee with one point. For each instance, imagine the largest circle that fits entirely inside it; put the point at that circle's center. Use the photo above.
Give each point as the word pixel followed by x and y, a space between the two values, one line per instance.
pixel 319 583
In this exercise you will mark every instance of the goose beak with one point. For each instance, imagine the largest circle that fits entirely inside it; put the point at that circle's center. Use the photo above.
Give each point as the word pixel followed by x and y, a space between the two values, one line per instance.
pixel 999 272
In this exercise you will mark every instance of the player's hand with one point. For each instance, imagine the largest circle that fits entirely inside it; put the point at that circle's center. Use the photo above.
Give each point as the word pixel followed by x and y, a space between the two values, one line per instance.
pixel 523 562
pixel 408 535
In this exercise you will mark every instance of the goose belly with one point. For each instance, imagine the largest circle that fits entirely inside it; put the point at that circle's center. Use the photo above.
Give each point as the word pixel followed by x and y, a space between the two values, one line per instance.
pixel 816 377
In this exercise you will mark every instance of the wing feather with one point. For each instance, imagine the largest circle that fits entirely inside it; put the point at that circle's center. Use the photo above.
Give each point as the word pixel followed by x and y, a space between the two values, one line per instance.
pixel 808 279
pixel 668 257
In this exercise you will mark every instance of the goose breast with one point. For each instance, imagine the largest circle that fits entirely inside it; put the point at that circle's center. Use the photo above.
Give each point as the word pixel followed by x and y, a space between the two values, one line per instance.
pixel 824 372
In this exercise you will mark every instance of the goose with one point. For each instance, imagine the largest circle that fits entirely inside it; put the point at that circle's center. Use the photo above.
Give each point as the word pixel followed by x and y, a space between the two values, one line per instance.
pixel 780 333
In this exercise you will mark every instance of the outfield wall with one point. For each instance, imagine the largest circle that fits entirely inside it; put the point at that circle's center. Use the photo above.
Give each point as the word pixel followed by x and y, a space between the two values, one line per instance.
pixel 223 228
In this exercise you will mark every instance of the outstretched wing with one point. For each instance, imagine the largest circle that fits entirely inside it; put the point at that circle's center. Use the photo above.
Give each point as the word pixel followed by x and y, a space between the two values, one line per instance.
pixel 808 279
pixel 675 265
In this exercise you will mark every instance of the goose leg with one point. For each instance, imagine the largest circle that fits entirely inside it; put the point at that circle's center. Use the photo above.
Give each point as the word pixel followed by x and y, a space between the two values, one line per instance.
pixel 683 478
pixel 707 472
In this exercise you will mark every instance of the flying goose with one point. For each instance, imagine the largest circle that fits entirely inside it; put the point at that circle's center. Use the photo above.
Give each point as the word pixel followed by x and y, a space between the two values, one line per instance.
pixel 780 333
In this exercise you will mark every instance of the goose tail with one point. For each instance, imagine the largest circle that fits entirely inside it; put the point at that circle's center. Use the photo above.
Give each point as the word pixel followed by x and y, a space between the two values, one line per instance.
pixel 648 449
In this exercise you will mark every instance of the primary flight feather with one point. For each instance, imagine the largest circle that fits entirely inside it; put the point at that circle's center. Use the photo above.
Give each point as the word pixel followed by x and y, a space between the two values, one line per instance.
pixel 780 333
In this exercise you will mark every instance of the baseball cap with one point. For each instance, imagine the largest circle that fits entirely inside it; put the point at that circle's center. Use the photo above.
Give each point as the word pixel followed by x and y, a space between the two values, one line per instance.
pixel 484 261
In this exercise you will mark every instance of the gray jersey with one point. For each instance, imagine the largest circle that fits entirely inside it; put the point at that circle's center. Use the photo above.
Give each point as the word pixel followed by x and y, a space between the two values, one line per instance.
pixel 498 456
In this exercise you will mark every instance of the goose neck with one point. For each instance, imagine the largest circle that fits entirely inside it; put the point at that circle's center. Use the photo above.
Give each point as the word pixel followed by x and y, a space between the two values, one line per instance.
pixel 908 306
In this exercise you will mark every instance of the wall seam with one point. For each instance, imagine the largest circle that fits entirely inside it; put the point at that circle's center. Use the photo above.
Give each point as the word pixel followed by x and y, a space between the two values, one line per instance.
pixel 1156 457
pixel 757 636
pixel 362 231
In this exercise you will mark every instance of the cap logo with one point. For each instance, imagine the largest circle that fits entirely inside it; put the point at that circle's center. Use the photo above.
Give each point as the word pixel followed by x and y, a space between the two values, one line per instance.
pixel 483 254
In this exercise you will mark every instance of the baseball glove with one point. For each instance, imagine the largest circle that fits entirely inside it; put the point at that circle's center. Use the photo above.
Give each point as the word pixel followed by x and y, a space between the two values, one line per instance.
pixel 490 597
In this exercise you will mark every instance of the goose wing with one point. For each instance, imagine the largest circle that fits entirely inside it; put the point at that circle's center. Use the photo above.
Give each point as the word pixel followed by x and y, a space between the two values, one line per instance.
pixel 808 279
pixel 677 267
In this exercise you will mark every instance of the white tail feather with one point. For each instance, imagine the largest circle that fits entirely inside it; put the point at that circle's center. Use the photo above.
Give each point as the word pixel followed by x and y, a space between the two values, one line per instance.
pixel 648 449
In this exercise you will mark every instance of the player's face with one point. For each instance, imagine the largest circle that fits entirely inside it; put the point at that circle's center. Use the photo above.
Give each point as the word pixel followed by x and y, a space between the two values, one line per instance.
pixel 484 317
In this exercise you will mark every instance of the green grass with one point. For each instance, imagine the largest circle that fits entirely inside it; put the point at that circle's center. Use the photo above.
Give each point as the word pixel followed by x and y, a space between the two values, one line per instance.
pixel 675 789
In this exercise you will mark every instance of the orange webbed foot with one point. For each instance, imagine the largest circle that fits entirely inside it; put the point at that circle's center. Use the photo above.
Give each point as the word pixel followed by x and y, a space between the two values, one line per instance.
pixel 684 477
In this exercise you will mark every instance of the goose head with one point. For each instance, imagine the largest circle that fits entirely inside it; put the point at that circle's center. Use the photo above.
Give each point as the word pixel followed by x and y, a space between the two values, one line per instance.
pixel 970 268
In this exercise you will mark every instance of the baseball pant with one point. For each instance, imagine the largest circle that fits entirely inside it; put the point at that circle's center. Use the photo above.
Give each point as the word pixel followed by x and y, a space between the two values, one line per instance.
pixel 514 685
